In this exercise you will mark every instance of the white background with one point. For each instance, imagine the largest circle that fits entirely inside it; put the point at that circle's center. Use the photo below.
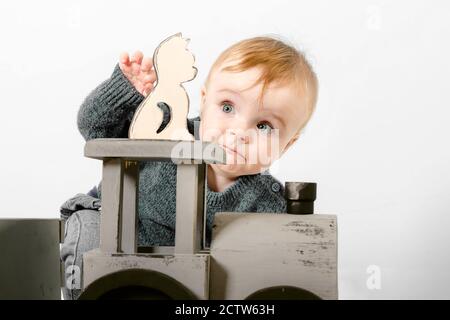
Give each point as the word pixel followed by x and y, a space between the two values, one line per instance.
pixel 377 145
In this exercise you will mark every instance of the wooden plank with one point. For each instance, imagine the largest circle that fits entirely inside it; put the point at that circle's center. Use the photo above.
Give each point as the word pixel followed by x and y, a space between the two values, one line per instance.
pixel 111 207
pixel 189 208
pixel 129 234
pixel 155 150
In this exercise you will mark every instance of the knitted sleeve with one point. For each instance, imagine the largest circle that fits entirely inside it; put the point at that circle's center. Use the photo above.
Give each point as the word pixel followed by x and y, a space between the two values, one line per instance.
pixel 108 110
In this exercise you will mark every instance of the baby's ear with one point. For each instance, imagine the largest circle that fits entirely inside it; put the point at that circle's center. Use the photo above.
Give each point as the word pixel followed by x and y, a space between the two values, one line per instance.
pixel 203 92
pixel 202 97
pixel 290 143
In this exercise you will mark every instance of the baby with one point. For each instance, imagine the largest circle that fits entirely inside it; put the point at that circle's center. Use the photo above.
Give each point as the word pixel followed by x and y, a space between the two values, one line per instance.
pixel 258 96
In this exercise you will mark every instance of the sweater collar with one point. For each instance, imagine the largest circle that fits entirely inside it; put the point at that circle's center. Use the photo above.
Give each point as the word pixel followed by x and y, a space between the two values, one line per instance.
pixel 241 185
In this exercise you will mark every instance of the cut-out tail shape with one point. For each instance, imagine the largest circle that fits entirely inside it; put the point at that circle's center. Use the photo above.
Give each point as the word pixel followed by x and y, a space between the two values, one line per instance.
pixel 167 115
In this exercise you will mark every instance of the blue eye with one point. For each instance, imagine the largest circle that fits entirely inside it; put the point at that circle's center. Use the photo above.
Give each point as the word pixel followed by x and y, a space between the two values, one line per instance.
pixel 227 108
pixel 265 127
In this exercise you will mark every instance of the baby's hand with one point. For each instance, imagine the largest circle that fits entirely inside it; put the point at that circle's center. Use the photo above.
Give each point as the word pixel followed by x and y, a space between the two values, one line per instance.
pixel 139 71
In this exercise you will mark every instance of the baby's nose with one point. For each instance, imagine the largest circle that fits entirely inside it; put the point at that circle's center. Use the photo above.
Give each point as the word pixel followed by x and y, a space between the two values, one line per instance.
pixel 244 136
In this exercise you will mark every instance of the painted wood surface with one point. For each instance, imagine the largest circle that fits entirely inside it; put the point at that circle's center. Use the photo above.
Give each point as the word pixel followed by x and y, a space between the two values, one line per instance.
pixel 192 271
pixel 252 251
pixel 163 113
pixel 187 152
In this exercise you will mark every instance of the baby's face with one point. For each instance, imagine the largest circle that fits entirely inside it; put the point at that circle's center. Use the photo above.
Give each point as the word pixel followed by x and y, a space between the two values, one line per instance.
pixel 253 135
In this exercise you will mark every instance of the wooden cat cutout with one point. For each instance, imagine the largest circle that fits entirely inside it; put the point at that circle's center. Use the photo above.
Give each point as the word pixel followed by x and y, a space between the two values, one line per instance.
pixel 163 113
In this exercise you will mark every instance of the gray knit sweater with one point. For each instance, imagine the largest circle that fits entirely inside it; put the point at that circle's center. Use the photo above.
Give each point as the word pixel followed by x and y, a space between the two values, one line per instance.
pixel 107 113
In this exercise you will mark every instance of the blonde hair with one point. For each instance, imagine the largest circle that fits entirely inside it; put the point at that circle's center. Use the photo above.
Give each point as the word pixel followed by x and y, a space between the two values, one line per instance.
pixel 280 63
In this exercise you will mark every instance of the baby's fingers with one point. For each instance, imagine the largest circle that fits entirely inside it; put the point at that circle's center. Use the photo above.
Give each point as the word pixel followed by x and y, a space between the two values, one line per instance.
pixel 146 65
pixel 137 57
pixel 147 89
pixel 124 58
pixel 149 78
pixel 124 63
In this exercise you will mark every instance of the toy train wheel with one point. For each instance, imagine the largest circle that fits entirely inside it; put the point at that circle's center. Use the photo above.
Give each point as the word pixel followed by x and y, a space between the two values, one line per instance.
pixel 283 293
pixel 136 284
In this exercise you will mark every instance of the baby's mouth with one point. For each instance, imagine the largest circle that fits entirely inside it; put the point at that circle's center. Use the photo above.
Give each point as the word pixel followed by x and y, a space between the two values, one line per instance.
pixel 233 151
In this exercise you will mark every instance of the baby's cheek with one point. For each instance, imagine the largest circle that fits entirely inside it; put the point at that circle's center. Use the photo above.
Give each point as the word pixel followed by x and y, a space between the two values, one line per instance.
pixel 260 155
pixel 209 134
pixel 270 150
